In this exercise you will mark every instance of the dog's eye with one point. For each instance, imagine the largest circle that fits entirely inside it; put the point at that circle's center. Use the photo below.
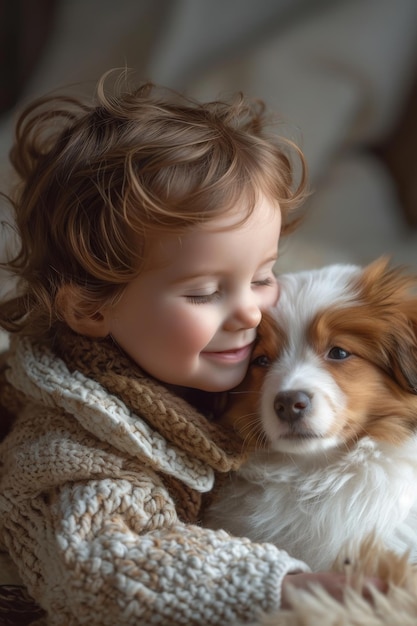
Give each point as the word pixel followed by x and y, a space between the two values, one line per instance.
pixel 338 354
pixel 261 361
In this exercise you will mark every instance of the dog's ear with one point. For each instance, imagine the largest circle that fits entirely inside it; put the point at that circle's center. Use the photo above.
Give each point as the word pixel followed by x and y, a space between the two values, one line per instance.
pixel 392 295
pixel 268 342
pixel 403 357
pixel 241 410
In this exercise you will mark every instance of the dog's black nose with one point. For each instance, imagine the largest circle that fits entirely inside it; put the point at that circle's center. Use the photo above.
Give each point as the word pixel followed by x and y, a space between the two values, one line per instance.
pixel 291 406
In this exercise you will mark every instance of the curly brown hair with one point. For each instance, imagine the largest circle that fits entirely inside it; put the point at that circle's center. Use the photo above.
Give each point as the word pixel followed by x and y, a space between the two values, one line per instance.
pixel 96 179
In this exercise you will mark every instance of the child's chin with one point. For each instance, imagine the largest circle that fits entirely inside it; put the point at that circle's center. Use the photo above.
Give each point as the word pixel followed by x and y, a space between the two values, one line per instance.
pixel 224 380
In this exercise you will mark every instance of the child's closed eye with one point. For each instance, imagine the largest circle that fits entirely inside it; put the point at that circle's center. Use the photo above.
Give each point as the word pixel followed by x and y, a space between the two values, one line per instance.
pixel 265 282
pixel 203 299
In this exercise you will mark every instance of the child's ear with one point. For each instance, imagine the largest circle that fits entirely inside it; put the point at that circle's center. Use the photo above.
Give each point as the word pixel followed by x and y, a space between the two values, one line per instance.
pixel 72 308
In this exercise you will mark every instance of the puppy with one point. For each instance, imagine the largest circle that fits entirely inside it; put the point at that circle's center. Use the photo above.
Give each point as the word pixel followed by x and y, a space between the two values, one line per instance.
pixel 329 411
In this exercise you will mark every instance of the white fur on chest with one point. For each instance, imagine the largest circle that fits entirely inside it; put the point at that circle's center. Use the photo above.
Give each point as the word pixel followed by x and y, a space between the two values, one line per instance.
pixel 310 506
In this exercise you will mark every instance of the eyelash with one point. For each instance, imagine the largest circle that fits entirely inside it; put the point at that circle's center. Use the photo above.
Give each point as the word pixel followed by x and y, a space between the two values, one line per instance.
pixel 266 282
pixel 212 297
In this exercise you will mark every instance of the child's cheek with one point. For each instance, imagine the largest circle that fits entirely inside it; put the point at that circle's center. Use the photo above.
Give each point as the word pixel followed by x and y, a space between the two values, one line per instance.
pixel 272 297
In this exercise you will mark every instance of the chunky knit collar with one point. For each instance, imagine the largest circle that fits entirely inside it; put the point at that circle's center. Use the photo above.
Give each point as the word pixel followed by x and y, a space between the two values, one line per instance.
pixel 170 415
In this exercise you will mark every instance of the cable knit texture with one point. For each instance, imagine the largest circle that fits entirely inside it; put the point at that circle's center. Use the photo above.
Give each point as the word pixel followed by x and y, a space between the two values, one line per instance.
pixel 102 481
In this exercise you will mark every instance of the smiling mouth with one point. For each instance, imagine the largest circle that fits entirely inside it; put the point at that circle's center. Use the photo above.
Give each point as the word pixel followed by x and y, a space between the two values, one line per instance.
pixel 230 356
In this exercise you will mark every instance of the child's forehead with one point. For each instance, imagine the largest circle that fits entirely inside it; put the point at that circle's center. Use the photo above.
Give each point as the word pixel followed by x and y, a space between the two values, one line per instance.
pixel 207 238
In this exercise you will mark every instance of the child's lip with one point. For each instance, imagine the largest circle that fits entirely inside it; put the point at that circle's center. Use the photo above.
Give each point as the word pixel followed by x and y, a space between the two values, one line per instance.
pixel 234 355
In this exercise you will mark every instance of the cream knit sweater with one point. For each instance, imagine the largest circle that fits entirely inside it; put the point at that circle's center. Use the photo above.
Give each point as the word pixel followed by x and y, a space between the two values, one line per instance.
pixel 100 492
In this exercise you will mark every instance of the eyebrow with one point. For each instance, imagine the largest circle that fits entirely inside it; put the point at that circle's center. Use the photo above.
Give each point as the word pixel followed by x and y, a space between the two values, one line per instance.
pixel 272 258
pixel 210 273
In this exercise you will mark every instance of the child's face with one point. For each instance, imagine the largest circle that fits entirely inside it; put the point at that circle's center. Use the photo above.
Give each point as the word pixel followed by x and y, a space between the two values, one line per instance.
pixel 191 318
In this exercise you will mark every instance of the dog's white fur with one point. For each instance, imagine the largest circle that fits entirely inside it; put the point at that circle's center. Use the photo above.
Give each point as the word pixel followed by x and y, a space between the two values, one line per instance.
pixel 328 479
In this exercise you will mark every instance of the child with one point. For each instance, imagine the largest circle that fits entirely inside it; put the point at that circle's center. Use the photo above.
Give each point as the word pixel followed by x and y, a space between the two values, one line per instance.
pixel 149 228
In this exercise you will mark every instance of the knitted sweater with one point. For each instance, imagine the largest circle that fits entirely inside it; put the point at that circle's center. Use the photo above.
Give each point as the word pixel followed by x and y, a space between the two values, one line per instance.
pixel 101 490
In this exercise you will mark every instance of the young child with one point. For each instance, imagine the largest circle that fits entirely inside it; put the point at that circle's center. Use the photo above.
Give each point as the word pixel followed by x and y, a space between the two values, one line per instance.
pixel 149 227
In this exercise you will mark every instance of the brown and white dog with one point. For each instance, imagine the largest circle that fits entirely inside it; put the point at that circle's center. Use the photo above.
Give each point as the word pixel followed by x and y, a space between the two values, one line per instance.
pixel 329 408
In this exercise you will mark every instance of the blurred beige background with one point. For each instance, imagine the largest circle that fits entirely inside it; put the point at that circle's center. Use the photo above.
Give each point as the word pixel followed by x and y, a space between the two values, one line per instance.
pixel 341 73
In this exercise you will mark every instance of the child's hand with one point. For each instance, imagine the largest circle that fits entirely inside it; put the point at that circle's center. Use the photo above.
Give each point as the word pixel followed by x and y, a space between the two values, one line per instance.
pixel 334 583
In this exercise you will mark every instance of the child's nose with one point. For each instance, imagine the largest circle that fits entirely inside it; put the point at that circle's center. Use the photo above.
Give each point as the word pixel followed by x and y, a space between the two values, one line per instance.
pixel 246 314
